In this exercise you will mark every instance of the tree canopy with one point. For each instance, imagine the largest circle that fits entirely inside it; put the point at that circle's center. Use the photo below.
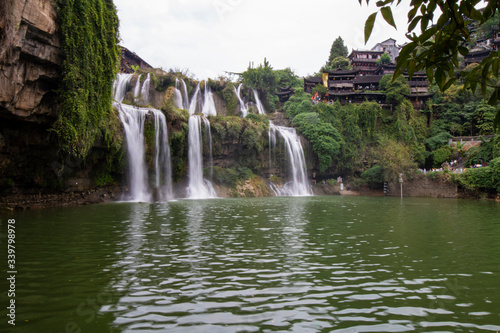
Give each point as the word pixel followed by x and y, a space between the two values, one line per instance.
pixel 338 49
pixel 443 38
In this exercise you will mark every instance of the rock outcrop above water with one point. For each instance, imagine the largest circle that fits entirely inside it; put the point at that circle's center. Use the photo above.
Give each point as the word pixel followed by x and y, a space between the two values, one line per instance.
pixel 29 58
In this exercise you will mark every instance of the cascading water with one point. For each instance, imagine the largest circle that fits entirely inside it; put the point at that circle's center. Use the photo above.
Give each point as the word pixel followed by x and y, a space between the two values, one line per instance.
pixel 243 105
pixel 133 119
pixel 163 167
pixel 133 123
pixel 193 105
pixel 185 95
pixel 145 89
pixel 137 89
pixel 121 86
pixel 178 96
pixel 258 103
pixel 208 104
pixel 198 188
pixel 298 185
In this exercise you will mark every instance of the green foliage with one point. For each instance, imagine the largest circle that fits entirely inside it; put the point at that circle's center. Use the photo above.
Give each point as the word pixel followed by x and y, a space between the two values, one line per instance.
pixel 460 112
pixel 374 175
pixel 442 155
pixel 324 138
pixel 328 113
pixel 395 90
pixel 90 53
pixel 268 81
pixel 287 78
pixel 443 39
pixel 338 49
pixel 488 150
pixel 163 82
pixel 231 176
pixel 320 89
pixel 230 98
pixel 485 178
pixel 336 63
pixel 384 59
pixel 395 158
pixel 248 134
pixel 262 78
pixel 300 102
pixel 104 179
pixel 257 118
pixel 437 141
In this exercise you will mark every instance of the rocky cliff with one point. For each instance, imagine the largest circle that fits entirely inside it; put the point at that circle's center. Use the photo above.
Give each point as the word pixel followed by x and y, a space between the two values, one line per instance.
pixel 29 72
pixel 29 59
pixel 32 171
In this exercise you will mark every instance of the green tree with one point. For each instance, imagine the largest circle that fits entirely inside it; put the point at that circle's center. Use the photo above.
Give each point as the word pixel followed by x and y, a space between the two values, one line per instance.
pixel 395 158
pixel 324 138
pixel 337 50
pixel 444 36
pixel 395 89
pixel 340 62
pixel 384 59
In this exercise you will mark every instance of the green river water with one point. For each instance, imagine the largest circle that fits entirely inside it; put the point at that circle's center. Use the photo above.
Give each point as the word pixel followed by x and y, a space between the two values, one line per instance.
pixel 288 264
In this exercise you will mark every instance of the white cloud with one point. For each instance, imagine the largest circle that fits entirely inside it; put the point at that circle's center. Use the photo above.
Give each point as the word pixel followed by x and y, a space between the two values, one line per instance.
pixel 212 36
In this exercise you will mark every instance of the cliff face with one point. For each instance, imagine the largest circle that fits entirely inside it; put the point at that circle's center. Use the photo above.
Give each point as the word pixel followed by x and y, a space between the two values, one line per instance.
pixel 32 172
pixel 29 72
pixel 29 58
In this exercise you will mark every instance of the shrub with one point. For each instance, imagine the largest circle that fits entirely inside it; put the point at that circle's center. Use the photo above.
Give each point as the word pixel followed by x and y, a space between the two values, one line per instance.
pixel 374 175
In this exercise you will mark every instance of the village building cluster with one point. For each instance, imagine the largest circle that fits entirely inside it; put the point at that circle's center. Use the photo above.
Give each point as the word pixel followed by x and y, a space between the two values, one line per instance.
pixel 361 83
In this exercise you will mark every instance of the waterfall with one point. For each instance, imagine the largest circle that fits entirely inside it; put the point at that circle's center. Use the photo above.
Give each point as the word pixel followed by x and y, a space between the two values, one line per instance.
pixel 198 188
pixel 145 89
pixel 133 124
pixel 208 134
pixel 258 103
pixel 163 168
pixel 133 119
pixel 298 185
pixel 243 106
pixel 185 95
pixel 137 89
pixel 121 86
pixel 208 104
pixel 272 143
pixel 194 101
pixel 178 96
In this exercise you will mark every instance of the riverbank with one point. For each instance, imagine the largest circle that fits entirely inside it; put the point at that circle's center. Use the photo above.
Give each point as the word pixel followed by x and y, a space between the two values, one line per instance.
pixel 424 187
pixel 40 200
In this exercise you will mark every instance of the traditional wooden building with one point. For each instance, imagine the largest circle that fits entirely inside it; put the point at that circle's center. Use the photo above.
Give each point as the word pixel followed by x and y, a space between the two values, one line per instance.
pixel 358 97
pixel 476 56
pixel 418 83
pixel 339 81
pixel 367 82
pixel 385 69
pixel 349 86
pixel 311 82
pixel 284 94
pixel 365 62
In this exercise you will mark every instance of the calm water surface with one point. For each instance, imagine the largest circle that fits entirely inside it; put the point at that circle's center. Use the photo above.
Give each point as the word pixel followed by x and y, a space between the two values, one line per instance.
pixel 314 264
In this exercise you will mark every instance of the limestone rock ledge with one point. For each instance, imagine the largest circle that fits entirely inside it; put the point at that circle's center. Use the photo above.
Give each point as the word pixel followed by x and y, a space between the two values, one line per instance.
pixel 29 58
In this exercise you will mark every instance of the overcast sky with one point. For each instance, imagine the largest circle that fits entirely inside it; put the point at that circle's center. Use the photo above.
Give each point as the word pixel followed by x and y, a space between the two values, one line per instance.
pixel 209 37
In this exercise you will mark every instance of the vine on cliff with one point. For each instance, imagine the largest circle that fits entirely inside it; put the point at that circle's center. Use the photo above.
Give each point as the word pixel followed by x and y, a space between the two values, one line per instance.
pixel 89 31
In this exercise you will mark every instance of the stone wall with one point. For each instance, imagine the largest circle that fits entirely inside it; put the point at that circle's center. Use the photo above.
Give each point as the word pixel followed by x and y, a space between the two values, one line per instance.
pixel 424 187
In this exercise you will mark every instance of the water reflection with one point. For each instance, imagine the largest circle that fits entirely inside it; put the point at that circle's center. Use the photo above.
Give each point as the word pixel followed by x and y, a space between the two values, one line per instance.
pixel 305 264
